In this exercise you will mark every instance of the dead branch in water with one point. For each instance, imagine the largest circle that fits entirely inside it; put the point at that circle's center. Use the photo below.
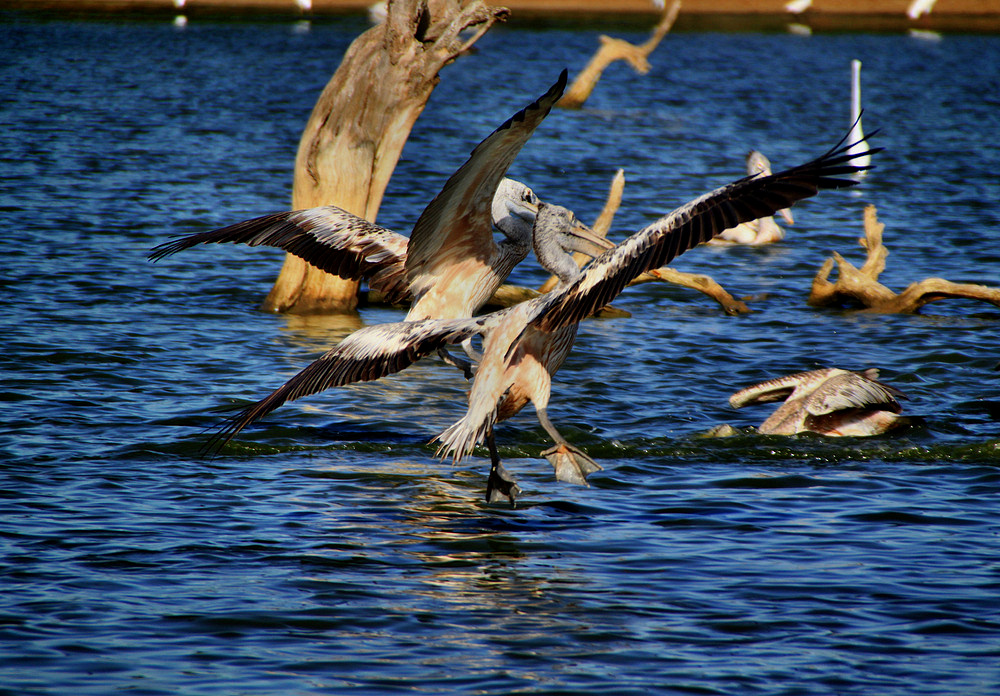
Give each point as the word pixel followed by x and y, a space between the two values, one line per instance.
pixel 612 49
pixel 860 287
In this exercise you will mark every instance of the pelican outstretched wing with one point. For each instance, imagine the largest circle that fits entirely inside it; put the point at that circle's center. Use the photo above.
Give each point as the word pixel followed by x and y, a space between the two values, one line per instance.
pixel 458 224
pixel 367 354
pixel 328 237
pixel 692 224
pixel 776 389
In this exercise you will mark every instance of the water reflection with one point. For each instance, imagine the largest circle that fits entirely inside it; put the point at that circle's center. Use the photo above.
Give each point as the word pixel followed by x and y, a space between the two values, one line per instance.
pixel 320 331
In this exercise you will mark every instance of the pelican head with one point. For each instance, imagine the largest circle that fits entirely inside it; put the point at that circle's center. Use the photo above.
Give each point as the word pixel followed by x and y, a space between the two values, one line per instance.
pixel 514 209
pixel 557 234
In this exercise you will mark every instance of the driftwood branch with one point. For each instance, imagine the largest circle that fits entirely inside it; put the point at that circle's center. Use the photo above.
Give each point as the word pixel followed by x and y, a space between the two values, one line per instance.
pixel 860 287
pixel 360 123
pixel 612 49
pixel 696 281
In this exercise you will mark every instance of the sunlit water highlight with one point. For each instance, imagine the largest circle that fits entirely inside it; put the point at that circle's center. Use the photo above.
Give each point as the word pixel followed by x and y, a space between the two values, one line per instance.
pixel 328 551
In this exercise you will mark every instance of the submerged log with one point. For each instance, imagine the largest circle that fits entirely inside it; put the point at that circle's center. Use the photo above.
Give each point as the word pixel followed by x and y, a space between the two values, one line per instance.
pixel 860 287
pixel 612 49
pixel 360 123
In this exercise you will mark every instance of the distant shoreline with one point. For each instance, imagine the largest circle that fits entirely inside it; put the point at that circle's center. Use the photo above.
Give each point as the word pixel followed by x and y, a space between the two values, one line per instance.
pixel 837 15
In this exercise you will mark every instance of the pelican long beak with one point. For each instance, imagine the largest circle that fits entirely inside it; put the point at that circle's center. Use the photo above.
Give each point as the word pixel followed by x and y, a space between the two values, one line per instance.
pixel 584 240
pixel 524 210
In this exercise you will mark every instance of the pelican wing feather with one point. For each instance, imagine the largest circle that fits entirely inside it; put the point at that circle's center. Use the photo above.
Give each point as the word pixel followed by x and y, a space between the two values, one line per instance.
pixel 367 354
pixel 328 237
pixel 692 224
pixel 777 389
pixel 850 390
pixel 458 224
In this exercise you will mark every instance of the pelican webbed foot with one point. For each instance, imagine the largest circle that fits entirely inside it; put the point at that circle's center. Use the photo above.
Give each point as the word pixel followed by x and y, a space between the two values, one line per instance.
pixel 570 463
pixel 500 485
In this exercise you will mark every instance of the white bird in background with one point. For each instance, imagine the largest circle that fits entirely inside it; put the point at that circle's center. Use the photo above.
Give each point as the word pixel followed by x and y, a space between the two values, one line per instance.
pixel 798 6
pixel 829 401
pixel 511 336
pixel 919 7
pixel 857 136
pixel 763 230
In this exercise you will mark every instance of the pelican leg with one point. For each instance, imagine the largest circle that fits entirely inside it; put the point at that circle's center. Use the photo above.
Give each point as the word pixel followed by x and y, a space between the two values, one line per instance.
pixel 462 364
pixel 474 355
pixel 571 464
pixel 500 484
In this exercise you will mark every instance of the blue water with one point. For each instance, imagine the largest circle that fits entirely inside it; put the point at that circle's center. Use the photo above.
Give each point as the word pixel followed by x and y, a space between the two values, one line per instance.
pixel 327 550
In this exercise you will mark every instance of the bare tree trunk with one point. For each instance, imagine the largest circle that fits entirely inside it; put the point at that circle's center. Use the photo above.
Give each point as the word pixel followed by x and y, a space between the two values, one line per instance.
pixel 360 123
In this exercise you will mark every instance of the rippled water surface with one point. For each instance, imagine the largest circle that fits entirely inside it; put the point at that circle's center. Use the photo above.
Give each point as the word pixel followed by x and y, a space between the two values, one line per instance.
pixel 327 550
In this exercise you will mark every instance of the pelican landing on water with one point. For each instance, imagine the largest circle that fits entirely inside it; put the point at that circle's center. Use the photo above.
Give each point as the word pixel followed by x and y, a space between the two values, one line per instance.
pixel 829 401
pixel 450 265
pixel 511 336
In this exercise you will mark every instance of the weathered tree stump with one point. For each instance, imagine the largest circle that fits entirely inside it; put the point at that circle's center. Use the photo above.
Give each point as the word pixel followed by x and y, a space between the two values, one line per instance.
pixel 360 123
pixel 860 287
pixel 612 49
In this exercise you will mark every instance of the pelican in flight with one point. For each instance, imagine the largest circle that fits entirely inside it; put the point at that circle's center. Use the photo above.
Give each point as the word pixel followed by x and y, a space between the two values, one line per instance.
pixel 450 265
pixel 514 369
pixel 829 401
pixel 762 230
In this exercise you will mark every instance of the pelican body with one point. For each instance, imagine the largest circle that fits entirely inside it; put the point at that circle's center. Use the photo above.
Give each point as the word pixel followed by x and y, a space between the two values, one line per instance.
pixel 829 401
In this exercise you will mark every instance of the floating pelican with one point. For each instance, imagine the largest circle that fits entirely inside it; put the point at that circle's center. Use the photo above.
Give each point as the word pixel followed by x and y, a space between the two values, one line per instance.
pixel 857 136
pixel 450 265
pixel 763 230
pixel 829 401
pixel 509 335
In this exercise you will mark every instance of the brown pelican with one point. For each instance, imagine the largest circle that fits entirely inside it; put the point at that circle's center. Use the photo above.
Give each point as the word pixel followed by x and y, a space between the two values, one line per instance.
pixel 829 401
pixel 450 265
pixel 509 335
pixel 763 230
